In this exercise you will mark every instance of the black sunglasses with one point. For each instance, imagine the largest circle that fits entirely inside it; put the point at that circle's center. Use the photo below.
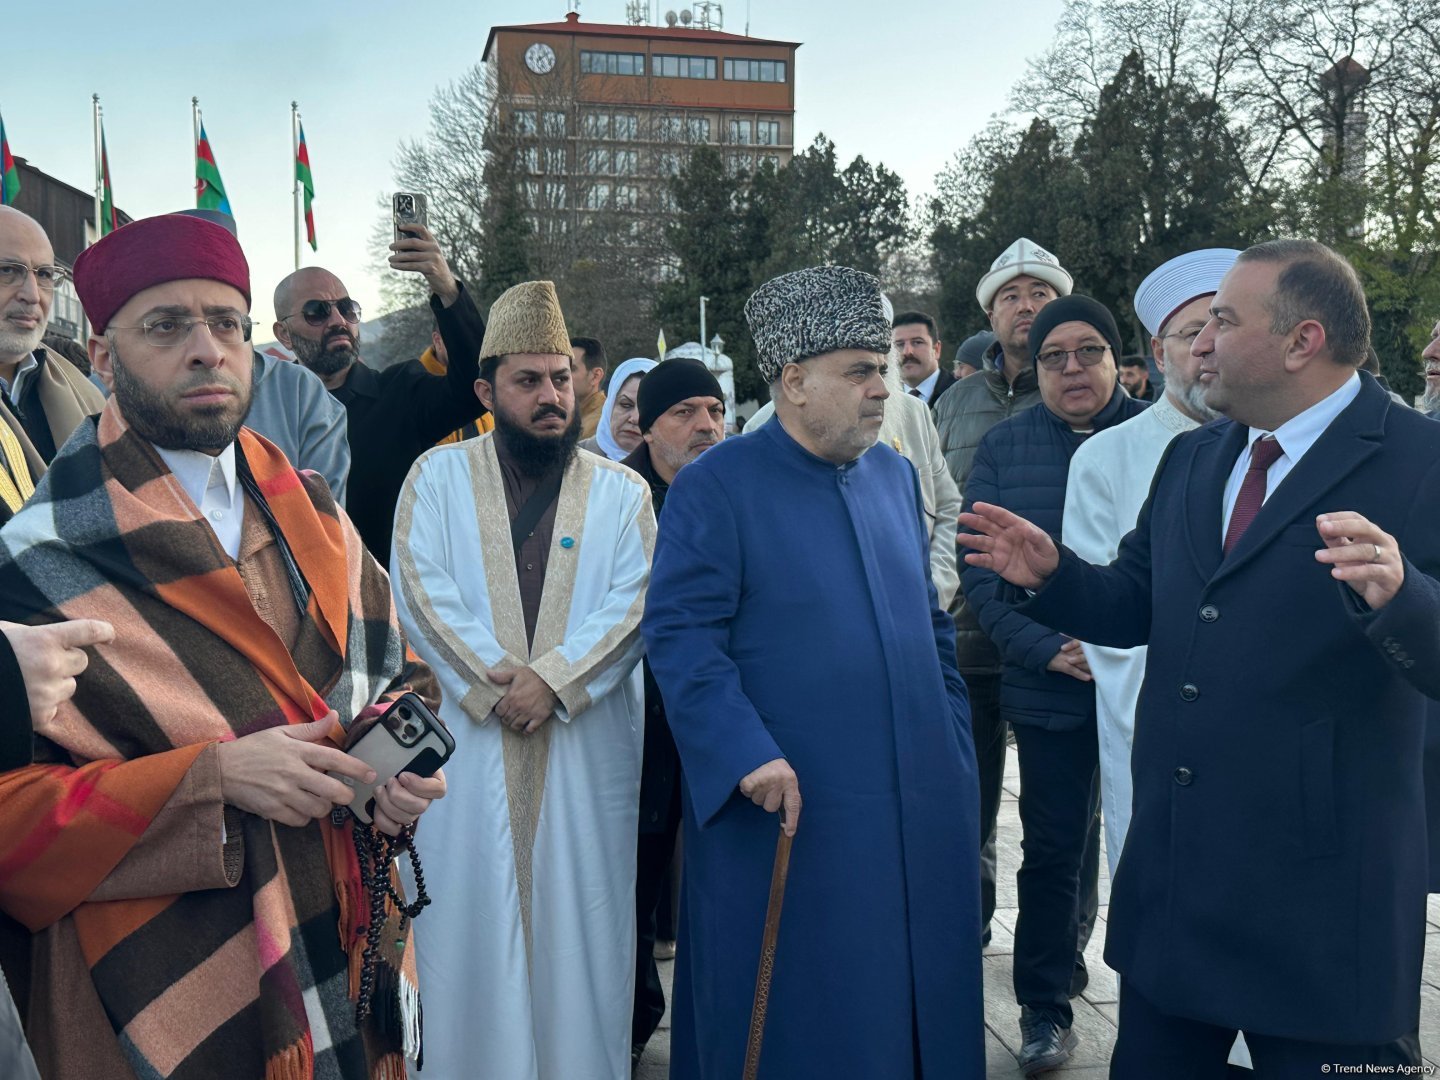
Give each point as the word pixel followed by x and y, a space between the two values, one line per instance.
pixel 317 311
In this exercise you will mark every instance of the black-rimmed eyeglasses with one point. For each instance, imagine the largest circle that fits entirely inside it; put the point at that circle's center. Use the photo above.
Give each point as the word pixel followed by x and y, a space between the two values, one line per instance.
pixel 1088 355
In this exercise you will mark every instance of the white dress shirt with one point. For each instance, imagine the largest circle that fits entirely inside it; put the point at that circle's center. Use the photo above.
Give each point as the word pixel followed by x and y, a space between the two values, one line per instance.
pixel 926 387
pixel 210 482
pixel 1295 437
pixel 23 373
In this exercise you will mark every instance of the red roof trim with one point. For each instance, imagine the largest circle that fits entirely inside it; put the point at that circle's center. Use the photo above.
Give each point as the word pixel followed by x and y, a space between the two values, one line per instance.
pixel 661 33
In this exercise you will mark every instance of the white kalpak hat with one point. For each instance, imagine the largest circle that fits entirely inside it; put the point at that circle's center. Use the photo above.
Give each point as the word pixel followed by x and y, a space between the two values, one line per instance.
pixel 1174 284
pixel 1021 258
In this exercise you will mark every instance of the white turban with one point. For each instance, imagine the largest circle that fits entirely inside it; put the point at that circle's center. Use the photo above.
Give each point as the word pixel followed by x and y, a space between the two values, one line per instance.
pixel 1174 284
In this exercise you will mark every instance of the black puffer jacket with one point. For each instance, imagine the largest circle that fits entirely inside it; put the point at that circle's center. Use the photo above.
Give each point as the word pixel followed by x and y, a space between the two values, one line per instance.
pixel 1023 465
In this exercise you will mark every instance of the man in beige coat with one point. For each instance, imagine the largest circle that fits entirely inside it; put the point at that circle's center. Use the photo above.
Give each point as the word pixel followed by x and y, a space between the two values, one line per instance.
pixel 44 396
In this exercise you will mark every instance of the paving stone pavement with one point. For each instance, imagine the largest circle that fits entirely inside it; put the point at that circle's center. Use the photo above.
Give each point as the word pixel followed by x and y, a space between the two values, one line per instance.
pixel 1096 1009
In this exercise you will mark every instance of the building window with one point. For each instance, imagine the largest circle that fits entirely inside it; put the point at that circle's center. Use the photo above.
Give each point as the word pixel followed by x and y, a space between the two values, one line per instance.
pixel 697 129
pixel 755 70
pixel 609 63
pixel 667 163
pixel 528 158
pixel 767 133
pixel 742 132
pixel 624 162
pixel 554 195
pixel 555 160
pixel 683 67
pixel 597 197
pixel 770 159
pixel 524 120
pixel 608 126
pixel 626 197
pixel 738 163
pixel 597 161
pixel 555 125
pixel 670 128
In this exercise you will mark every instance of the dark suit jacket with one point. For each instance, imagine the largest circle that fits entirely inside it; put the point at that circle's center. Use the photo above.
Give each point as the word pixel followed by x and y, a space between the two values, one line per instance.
pixel 944 382
pixel 1274 875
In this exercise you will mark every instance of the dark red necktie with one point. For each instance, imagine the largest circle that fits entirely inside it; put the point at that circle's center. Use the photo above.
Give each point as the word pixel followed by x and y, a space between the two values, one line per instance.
pixel 1263 453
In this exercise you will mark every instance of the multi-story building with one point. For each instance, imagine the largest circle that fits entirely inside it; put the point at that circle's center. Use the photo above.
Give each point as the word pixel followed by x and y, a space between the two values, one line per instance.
pixel 599 115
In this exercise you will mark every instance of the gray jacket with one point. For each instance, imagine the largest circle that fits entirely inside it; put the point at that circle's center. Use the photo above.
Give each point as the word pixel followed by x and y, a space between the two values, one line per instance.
pixel 963 415
pixel 291 407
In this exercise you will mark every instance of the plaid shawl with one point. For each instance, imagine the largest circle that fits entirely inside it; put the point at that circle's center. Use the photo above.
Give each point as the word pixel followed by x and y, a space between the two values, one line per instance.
pixel 252 980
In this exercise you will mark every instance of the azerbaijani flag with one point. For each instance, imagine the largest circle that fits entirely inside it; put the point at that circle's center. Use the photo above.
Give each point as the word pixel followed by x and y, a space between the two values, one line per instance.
pixel 9 174
pixel 108 222
pixel 307 184
pixel 209 188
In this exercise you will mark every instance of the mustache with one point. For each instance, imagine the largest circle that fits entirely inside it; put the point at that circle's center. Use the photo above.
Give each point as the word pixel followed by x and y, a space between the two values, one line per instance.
pixel 548 410
pixel 338 333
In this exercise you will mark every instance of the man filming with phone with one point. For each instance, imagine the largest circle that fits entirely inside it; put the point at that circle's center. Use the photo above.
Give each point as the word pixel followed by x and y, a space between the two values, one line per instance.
pixel 396 414
pixel 189 902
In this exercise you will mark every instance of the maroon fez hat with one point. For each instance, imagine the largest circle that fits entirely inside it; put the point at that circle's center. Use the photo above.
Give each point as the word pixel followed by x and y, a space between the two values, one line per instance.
pixel 152 251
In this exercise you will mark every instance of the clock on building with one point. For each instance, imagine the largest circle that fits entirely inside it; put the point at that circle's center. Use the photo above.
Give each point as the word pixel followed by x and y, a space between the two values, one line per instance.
pixel 540 58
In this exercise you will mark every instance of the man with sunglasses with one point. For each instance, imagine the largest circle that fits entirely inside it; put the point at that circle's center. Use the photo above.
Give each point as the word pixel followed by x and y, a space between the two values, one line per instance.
pixel 1046 693
pixel 396 414
pixel 45 396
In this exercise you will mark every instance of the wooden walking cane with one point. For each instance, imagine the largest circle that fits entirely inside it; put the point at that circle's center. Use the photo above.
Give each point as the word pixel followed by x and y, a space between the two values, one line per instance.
pixel 767 952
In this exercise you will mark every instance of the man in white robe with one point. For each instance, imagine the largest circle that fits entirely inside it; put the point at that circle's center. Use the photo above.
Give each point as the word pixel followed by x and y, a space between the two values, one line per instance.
pixel 520 566
pixel 1110 477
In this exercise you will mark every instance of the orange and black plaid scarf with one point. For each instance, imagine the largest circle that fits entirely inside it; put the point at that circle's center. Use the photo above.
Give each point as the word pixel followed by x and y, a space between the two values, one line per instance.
pixel 256 980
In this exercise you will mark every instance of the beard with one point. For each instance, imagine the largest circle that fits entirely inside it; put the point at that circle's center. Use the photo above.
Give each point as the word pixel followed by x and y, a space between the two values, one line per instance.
pixel 1192 396
pixel 1430 400
pixel 154 416
pixel 323 360
pixel 535 454
pixel 20 342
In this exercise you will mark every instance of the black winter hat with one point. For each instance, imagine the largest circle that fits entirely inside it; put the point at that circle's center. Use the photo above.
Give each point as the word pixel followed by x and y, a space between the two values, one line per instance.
pixel 671 382
pixel 1074 308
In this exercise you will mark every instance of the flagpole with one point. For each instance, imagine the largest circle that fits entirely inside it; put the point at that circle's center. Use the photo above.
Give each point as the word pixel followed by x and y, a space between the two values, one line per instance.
pixel 99 169
pixel 195 141
pixel 295 168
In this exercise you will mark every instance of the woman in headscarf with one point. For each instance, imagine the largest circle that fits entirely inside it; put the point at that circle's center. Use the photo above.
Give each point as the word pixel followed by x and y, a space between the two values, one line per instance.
pixel 619 430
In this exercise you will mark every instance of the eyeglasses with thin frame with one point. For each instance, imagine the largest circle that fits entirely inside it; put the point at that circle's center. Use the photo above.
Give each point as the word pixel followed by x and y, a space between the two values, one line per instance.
pixel 316 312
pixel 168 331
pixel 1088 355
pixel 1188 335
pixel 13 274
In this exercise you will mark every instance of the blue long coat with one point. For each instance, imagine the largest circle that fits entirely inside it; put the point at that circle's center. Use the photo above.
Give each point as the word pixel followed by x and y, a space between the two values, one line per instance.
pixel 790 613
pixel 1274 875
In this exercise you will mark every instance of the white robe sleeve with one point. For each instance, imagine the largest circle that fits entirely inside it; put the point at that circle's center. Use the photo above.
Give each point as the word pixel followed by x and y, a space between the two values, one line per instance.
pixel 596 655
pixel 428 601
pixel 1093 531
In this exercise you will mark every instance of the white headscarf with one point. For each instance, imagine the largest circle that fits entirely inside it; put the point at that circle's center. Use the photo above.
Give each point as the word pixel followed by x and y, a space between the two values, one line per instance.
pixel 638 365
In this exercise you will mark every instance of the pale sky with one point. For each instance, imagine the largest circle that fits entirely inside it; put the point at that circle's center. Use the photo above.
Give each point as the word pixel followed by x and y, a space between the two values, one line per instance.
pixel 906 82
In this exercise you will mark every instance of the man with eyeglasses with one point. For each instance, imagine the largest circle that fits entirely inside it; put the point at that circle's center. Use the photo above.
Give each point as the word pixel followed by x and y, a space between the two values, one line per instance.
pixel 172 849
pixel 1046 693
pixel 396 414
pixel 1021 281
pixel 1110 475
pixel 45 396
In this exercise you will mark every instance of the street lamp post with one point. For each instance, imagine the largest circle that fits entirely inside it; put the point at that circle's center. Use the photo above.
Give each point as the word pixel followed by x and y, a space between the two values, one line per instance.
pixel 703 300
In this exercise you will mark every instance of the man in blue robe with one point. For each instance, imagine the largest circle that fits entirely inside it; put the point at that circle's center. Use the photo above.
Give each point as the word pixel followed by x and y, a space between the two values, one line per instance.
pixel 795 635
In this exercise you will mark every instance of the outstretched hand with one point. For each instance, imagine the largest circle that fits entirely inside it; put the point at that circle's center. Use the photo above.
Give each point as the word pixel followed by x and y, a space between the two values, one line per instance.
pixel 1021 553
